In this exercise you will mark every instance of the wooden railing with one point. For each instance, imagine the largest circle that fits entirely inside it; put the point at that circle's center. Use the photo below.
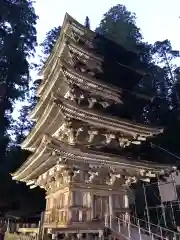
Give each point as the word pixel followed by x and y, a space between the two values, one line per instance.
pixel 56 217
pixel 29 231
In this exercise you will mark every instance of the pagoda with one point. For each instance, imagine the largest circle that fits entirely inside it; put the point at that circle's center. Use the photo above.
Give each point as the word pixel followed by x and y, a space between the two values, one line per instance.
pixel 78 138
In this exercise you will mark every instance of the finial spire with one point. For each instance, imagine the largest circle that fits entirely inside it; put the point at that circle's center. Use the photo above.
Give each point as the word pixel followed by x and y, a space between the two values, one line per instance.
pixel 87 22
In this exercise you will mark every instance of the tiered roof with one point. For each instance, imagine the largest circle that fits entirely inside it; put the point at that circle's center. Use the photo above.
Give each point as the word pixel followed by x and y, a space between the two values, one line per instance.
pixel 71 121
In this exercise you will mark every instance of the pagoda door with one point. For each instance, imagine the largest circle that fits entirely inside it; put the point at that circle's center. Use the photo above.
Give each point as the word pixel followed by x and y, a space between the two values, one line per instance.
pixel 101 206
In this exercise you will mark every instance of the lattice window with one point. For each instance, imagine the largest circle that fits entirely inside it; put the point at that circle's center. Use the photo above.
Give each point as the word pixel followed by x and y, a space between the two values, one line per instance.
pixel 75 215
pixel 77 198
pixel 85 199
pixel 84 216
pixel 61 216
pixel 51 203
pixel 61 200
pixel 65 216
pixel 100 206
pixel 117 201
pixel 58 202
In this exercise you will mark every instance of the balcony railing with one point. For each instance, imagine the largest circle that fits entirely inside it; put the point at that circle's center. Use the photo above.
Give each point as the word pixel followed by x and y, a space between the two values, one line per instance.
pixel 136 231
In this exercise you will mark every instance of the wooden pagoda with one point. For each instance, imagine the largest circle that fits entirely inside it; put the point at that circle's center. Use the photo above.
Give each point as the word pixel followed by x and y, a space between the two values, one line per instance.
pixel 76 140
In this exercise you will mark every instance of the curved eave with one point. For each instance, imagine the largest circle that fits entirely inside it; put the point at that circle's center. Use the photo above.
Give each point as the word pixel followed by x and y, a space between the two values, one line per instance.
pixel 43 165
pixel 43 162
pixel 94 85
pixel 67 20
pixel 33 115
pixel 40 151
pixel 80 26
pixel 91 34
pixel 111 91
pixel 49 121
pixel 61 43
pixel 56 52
pixel 109 87
pixel 45 83
pixel 56 46
pixel 94 156
pixel 82 50
pixel 51 85
pixel 55 67
pixel 72 110
pixel 105 91
pixel 87 52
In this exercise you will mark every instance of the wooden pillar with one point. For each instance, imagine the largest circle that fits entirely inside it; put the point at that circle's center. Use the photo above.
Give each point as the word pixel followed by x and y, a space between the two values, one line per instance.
pixel 126 201
pixel 100 235
pixel 89 204
pixel 110 205
pixel 110 210
pixel 126 205
pixel 93 206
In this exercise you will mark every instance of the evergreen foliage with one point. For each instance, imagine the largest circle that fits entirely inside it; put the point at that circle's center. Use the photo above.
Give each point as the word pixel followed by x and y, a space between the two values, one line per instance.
pixel 49 41
pixel 17 45
pixel 119 25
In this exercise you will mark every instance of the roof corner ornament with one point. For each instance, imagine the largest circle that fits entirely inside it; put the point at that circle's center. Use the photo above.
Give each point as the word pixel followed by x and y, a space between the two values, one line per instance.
pixel 112 177
pixel 92 175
